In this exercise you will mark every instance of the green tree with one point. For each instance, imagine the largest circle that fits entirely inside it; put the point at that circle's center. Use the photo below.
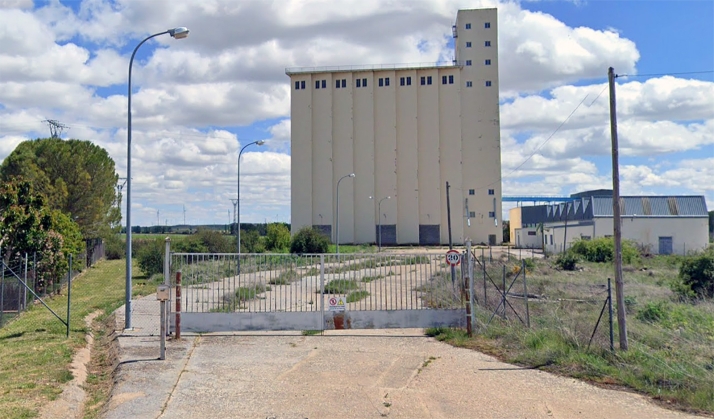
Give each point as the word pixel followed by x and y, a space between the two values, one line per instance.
pixel 278 237
pixel 24 220
pixel 73 176
pixel 506 231
pixel 250 242
pixel 28 226
pixel 309 240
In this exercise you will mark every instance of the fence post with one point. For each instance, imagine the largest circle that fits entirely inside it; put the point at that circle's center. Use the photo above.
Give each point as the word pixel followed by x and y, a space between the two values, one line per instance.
pixel 34 274
pixel 609 303
pixel 167 281
pixel 483 265
pixel 525 294
pixel 322 290
pixel 470 270
pixel 24 295
pixel 2 290
pixel 503 292
pixel 178 304
pixel 69 290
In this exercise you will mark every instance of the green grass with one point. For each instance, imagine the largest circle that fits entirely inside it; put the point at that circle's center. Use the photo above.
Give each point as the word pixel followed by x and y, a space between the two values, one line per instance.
pixel 348 248
pixel 249 293
pixel 371 278
pixel 34 352
pixel 340 286
pixel 671 342
pixel 285 278
pixel 311 332
pixel 355 296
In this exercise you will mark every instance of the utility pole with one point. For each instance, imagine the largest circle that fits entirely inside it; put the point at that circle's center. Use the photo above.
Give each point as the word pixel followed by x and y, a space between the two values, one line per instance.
pixel 56 127
pixel 451 243
pixel 619 291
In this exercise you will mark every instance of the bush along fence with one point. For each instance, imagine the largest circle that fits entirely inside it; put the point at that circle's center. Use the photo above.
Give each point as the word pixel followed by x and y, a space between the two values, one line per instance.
pixel 505 296
pixel 26 279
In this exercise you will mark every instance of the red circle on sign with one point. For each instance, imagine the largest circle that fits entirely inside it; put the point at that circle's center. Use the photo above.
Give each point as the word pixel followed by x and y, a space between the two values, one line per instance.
pixel 453 257
pixel 333 301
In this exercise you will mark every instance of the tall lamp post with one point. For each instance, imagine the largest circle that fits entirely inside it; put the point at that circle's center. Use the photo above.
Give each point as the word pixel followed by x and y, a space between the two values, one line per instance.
pixel 379 216
pixel 177 33
pixel 337 218
pixel 259 142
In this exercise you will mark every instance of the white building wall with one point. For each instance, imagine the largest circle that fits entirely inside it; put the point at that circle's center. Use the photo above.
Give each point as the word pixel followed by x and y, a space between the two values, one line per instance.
pixel 688 234
pixel 481 142
pixel 428 149
pixel 527 238
pixel 385 147
pixel 322 187
pixel 302 143
pixel 407 158
pixel 364 187
pixel 405 142
pixel 343 155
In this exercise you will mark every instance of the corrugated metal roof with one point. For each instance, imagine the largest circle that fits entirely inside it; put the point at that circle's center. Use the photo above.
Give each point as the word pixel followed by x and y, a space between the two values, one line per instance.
pixel 653 206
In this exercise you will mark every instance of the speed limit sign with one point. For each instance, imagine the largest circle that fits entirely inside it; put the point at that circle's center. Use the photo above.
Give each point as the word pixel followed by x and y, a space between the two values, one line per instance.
pixel 453 257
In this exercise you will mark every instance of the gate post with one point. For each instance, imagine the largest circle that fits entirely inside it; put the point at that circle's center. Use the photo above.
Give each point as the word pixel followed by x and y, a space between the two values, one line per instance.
pixel 472 296
pixel 322 291
pixel 469 275
pixel 167 281
pixel 178 305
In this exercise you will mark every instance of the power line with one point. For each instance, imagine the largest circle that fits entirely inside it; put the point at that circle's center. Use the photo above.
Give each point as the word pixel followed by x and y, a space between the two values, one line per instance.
pixel 544 142
pixel 665 74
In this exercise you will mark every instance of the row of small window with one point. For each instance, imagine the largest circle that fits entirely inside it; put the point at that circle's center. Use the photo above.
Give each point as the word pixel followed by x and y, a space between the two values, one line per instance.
pixel 491 214
pixel 486 62
pixel 486 25
pixel 403 81
pixel 486 44
pixel 490 192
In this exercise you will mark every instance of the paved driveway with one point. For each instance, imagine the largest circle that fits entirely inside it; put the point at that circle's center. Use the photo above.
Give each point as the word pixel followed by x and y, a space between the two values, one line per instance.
pixel 347 374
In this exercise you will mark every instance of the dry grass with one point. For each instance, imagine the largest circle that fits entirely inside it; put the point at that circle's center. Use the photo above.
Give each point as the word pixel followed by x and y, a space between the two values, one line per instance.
pixel 671 355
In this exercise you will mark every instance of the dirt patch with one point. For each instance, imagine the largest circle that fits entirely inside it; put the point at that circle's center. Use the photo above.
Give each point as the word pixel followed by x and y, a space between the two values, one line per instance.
pixel 70 404
pixel 105 359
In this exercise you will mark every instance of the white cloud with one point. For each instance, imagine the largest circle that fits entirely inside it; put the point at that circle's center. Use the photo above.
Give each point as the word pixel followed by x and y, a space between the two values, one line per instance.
pixel 230 73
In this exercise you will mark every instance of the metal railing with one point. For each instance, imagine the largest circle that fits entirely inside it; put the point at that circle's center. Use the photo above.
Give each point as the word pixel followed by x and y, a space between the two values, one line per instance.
pixel 305 283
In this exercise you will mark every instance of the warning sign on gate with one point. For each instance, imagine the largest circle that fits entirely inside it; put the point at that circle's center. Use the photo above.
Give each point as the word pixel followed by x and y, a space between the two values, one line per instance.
pixel 337 303
pixel 453 257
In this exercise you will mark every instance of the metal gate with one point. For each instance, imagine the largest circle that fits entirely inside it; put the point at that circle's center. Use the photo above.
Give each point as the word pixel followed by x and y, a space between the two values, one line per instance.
pixel 225 292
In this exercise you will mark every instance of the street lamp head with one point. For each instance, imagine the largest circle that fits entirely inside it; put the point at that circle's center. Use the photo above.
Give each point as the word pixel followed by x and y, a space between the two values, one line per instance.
pixel 261 142
pixel 179 33
pixel 389 197
pixel 352 175
pixel 371 197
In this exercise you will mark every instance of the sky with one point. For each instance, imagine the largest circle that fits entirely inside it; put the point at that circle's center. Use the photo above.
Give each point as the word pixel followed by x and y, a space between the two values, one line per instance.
pixel 198 100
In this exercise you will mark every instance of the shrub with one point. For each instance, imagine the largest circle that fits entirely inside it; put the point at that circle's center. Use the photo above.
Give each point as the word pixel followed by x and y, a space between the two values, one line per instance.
pixel 278 237
pixel 567 261
pixel 250 242
pixel 697 273
pixel 215 241
pixel 191 244
pixel 114 247
pixel 309 240
pixel 653 312
pixel 151 257
pixel 602 250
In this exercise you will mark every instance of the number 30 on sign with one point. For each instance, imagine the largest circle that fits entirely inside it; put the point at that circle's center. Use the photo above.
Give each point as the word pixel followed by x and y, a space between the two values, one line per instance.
pixel 453 257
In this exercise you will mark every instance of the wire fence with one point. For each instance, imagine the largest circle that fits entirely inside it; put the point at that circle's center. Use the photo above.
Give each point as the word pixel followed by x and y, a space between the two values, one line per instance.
pixel 15 297
pixel 513 292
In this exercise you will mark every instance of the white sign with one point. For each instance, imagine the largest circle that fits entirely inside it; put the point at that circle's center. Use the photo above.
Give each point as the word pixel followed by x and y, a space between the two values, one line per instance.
pixel 453 257
pixel 337 303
